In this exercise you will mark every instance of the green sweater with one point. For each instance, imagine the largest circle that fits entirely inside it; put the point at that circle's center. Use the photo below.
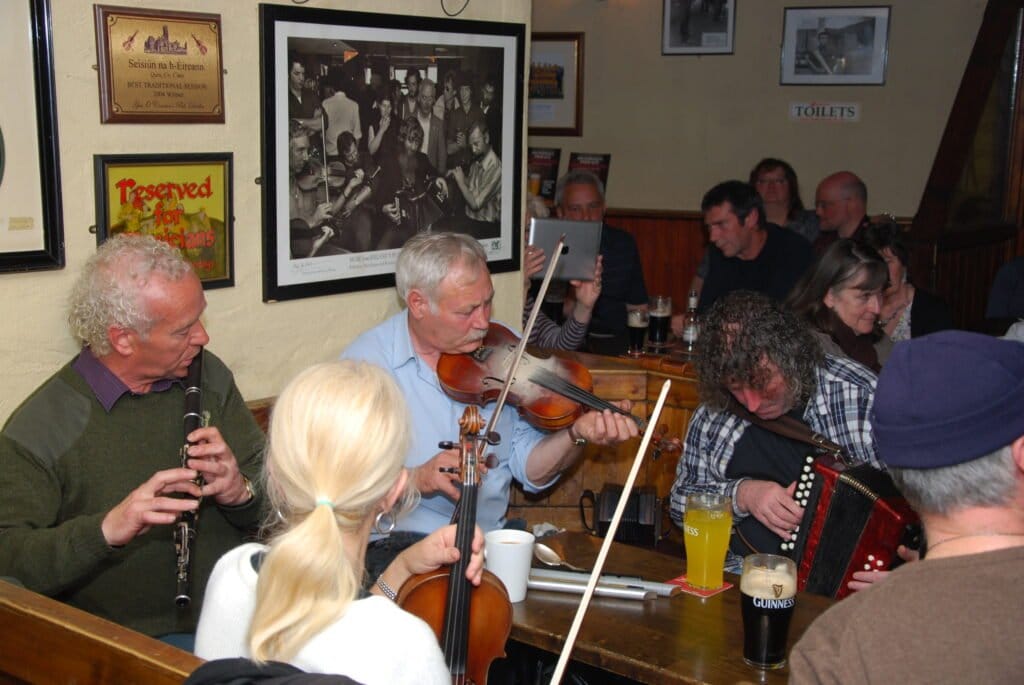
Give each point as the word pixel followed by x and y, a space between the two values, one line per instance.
pixel 65 462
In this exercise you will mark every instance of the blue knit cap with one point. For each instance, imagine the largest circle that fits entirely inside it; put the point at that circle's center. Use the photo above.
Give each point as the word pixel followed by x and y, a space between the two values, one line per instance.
pixel 948 398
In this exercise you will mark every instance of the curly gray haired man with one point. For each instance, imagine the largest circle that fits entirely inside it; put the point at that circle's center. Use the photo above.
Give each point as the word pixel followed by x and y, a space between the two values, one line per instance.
pixel 90 463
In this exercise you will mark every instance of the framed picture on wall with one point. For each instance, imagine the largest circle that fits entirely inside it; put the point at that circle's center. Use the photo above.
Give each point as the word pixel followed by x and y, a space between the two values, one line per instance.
pixel 181 199
pixel 697 27
pixel 835 45
pixel 31 221
pixel 377 127
pixel 556 84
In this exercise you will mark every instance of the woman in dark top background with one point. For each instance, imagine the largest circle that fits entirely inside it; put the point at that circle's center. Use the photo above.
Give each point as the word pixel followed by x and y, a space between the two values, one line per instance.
pixel 776 183
pixel 841 297
pixel 907 311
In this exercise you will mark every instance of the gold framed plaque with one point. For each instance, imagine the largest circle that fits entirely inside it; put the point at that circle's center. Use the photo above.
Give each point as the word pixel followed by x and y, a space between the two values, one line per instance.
pixel 159 66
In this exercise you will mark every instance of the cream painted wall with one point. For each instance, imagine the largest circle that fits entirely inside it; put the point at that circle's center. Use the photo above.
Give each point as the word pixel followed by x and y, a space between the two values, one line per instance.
pixel 265 344
pixel 676 125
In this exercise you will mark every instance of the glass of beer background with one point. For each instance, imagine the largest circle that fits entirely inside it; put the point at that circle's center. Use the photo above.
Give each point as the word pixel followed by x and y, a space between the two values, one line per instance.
pixel 767 598
pixel 636 320
pixel 660 312
pixel 706 527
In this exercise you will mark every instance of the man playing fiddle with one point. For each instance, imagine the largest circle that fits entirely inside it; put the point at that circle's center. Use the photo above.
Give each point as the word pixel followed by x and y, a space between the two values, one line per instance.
pixel 444 282
pixel 309 228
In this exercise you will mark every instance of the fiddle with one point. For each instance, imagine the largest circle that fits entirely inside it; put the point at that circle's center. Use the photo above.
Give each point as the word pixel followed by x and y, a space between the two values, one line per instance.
pixel 313 176
pixel 549 393
pixel 472 624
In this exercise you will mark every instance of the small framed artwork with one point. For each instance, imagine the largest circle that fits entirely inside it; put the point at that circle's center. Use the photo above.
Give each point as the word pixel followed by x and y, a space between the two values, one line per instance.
pixel 835 45
pixel 697 27
pixel 31 223
pixel 181 199
pixel 556 84
pixel 159 66
pixel 439 150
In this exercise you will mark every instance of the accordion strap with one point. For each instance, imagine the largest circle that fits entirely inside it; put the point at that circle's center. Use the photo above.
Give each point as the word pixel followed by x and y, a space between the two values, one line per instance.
pixel 789 427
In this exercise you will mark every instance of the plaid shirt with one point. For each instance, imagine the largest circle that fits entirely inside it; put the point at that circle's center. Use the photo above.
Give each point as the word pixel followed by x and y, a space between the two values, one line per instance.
pixel 838 409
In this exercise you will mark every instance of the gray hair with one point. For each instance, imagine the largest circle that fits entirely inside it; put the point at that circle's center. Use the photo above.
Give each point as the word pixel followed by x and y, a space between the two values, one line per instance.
pixel 427 258
pixel 988 481
pixel 578 176
pixel 107 291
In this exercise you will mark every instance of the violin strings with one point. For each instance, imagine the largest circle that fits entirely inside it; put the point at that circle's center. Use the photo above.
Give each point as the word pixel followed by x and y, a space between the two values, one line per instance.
pixel 555 383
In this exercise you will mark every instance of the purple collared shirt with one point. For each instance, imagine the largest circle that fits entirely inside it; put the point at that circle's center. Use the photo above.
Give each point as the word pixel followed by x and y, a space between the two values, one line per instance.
pixel 107 387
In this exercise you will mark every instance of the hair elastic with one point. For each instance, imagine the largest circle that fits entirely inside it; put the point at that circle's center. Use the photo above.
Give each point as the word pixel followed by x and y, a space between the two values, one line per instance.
pixel 325 501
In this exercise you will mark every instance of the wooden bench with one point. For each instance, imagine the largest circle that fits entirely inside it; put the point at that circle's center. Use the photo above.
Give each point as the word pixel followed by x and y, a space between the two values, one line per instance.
pixel 46 641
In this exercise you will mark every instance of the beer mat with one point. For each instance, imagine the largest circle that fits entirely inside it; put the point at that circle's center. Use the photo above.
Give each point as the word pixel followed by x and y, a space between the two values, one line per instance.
pixel 691 590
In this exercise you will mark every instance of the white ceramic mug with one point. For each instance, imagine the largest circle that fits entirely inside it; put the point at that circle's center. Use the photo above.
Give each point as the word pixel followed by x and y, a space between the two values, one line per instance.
pixel 509 554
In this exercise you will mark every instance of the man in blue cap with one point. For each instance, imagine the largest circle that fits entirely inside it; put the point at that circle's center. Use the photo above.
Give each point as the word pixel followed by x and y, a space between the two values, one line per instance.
pixel 949 424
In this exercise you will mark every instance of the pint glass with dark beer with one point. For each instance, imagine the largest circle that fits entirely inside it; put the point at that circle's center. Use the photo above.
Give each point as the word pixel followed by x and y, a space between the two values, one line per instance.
pixel 660 314
pixel 636 322
pixel 767 598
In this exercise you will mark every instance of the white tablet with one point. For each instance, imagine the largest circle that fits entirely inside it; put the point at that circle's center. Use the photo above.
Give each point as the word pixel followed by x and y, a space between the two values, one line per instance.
pixel 582 245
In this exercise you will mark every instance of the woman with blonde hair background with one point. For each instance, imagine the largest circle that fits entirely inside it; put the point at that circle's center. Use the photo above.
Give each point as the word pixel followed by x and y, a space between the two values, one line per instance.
pixel 333 472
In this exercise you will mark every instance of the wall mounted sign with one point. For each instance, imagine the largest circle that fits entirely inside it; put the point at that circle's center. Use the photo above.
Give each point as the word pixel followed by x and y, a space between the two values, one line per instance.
pixel 846 112
pixel 159 66
pixel 183 200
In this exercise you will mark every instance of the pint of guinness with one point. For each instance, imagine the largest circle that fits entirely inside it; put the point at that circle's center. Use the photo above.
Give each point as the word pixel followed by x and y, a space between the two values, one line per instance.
pixel 660 314
pixel 768 595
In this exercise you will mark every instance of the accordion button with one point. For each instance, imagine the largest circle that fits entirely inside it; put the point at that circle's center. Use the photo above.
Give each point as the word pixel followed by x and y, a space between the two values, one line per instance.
pixel 807 468
pixel 867 567
pixel 879 563
pixel 871 557
pixel 803 502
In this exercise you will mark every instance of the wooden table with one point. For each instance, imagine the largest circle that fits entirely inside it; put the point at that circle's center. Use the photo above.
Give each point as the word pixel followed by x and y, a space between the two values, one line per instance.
pixel 682 639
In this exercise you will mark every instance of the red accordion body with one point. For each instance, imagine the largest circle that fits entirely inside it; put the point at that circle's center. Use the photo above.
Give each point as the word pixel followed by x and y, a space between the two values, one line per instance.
pixel 854 519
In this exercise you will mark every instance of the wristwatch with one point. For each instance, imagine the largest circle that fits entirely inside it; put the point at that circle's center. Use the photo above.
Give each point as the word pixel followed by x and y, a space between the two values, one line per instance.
pixel 250 488
pixel 577 439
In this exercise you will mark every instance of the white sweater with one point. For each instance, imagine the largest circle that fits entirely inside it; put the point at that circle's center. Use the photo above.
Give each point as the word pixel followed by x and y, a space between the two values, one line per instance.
pixel 374 642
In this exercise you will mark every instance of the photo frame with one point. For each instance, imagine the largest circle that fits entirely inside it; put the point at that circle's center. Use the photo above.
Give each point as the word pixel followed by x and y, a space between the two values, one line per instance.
pixel 698 27
pixel 556 84
pixel 338 227
pixel 31 217
pixel 183 199
pixel 835 45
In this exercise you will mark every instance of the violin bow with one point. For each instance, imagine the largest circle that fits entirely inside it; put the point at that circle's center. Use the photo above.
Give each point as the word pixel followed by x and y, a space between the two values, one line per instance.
pixel 323 139
pixel 609 537
pixel 521 347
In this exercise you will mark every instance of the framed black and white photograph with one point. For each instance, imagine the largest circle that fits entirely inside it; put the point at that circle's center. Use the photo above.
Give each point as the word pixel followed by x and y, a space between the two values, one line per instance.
pixel 377 127
pixel 835 45
pixel 698 27
pixel 31 223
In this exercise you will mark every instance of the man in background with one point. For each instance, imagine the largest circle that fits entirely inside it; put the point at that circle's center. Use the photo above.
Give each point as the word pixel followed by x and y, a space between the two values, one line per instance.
pixel 579 195
pixel 840 202
pixel 746 252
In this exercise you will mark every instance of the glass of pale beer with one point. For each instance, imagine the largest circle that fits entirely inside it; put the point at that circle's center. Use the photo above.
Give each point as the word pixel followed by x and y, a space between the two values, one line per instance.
pixel 706 526
pixel 767 598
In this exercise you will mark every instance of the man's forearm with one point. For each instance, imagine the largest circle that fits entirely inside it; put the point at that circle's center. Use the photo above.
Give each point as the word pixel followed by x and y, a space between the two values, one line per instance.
pixel 551 456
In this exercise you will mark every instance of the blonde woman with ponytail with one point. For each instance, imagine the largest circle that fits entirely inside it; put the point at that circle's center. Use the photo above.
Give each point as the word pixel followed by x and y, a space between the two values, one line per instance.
pixel 334 470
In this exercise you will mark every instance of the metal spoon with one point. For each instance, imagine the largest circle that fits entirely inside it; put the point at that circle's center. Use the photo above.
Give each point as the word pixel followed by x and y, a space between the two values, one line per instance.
pixel 548 556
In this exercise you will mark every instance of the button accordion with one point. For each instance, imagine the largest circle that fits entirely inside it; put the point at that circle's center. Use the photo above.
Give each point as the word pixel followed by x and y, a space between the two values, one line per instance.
pixel 854 519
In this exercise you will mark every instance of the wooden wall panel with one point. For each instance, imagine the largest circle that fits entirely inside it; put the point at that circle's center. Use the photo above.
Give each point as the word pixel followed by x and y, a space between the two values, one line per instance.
pixel 671 245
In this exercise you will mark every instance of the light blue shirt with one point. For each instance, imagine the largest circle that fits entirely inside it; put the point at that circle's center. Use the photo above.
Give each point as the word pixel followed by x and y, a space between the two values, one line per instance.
pixel 435 417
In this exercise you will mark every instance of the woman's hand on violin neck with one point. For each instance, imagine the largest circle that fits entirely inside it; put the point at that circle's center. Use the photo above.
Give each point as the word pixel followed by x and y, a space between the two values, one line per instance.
pixel 607 427
pixel 434 551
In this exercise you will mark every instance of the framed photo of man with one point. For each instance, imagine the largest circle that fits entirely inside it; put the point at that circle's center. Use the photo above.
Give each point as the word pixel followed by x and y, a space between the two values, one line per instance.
pixel 378 127
pixel 31 223
pixel 698 27
pixel 835 45
pixel 183 200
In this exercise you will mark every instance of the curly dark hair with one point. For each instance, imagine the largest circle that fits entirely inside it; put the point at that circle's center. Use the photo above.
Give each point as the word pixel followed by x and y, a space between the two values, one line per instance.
pixel 741 332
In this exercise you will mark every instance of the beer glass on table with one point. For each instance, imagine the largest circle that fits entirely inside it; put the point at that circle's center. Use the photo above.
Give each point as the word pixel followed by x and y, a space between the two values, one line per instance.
pixel 636 321
pixel 660 312
pixel 767 598
pixel 706 526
